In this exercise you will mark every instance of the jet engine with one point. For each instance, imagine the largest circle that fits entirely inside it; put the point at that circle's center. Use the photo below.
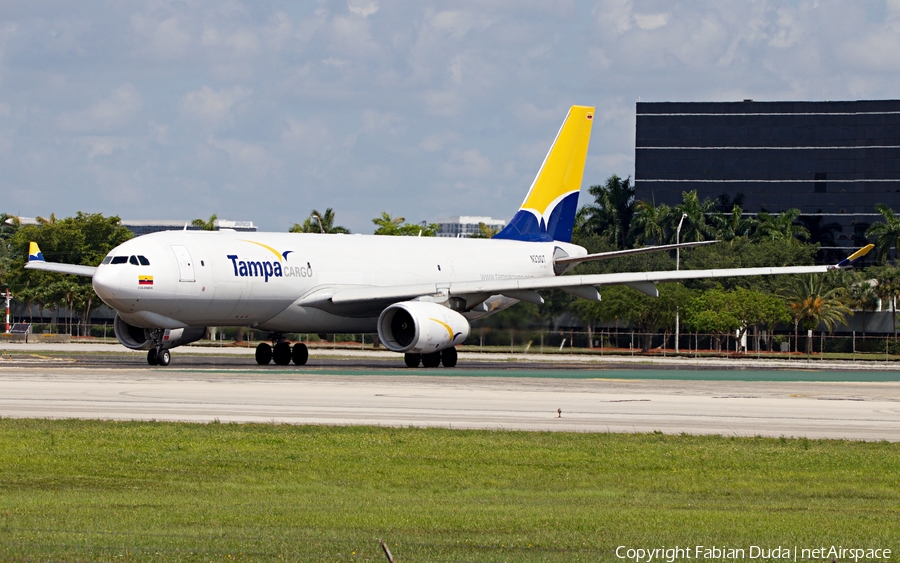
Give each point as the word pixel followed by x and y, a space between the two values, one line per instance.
pixel 138 338
pixel 420 327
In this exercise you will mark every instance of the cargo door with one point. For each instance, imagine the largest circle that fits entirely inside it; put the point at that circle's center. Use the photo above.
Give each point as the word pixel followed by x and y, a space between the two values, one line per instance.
pixel 185 265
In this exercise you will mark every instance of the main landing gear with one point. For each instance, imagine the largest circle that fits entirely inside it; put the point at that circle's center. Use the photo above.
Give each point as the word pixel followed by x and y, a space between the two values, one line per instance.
pixel 282 353
pixel 447 357
pixel 157 356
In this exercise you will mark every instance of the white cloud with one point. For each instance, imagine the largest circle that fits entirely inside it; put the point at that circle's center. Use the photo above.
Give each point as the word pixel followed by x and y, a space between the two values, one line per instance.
pixel 246 160
pixel 104 146
pixel 459 98
pixel 213 106
pixel 118 110
pixel 650 21
pixel 383 123
pixel 436 142
pixel 164 39
pixel 307 139
pixel 364 8
pixel 466 164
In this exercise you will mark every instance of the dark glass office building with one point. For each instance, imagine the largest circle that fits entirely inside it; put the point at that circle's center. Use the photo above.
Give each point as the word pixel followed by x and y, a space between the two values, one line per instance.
pixel 832 159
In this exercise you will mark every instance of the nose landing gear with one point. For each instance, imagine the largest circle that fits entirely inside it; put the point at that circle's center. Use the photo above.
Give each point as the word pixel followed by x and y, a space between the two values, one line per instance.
pixel 282 352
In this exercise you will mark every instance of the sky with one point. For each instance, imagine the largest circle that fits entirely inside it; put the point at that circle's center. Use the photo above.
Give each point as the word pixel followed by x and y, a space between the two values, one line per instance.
pixel 263 110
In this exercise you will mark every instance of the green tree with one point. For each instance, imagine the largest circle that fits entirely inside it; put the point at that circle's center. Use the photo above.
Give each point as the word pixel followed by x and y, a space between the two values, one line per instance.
pixel 9 224
pixel 206 225
pixel 611 213
pixel 485 231
pixel 84 239
pixel 622 304
pixel 711 312
pixel 887 288
pixel 733 225
pixel 319 223
pixel 780 227
pixel 697 225
pixel 651 223
pixel 755 309
pixel 886 233
pixel 397 226
pixel 812 302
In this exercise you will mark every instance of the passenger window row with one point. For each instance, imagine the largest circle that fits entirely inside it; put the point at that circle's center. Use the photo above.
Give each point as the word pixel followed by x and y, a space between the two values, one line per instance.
pixel 136 260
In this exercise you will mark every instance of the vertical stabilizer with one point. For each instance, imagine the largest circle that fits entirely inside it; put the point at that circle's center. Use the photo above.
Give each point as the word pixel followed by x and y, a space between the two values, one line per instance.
pixel 548 212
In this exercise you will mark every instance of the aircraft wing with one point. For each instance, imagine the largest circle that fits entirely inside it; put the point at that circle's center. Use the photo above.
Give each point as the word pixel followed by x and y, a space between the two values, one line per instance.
pixel 349 295
pixel 36 262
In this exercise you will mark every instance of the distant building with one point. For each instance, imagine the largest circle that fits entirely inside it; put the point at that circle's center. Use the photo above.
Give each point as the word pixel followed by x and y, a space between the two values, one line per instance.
pixel 465 226
pixel 831 160
pixel 143 227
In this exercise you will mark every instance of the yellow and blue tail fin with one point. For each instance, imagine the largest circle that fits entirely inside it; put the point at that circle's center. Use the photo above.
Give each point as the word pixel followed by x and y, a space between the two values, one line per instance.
pixel 548 212
pixel 34 253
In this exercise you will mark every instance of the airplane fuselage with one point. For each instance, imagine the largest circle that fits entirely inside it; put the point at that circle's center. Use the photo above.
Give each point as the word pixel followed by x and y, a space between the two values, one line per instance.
pixel 178 279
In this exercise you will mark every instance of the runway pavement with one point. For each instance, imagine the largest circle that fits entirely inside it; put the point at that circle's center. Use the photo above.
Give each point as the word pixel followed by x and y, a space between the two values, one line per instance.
pixel 354 392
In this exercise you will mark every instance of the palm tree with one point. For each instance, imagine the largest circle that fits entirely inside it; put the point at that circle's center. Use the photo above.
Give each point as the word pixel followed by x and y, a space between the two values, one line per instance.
pixel 733 225
pixel 650 222
pixel 779 227
pixel 206 225
pixel 861 297
pixel 887 234
pixel 387 224
pixel 485 231
pixel 696 225
pixel 45 221
pixel 612 211
pixel 319 223
pixel 811 303
pixel 887 288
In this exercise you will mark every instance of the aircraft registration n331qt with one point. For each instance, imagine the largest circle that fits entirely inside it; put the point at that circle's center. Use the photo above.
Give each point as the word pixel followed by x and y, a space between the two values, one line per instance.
pixel 419 294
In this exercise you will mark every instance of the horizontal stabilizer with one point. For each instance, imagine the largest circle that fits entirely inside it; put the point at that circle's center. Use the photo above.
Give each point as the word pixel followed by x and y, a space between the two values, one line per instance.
pixel 851 260
pixel 628 252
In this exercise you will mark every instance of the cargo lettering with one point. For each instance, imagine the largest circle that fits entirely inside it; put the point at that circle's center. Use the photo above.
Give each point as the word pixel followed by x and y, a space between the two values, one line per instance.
pixel 267 269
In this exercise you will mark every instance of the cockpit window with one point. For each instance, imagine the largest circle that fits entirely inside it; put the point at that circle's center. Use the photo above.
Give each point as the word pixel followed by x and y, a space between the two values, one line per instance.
pixel 133 260
pixel 107 259
pixel 143 261
pixel 119 259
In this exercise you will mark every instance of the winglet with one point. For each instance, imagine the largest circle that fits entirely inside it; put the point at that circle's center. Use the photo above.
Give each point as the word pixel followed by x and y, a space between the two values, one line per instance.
pixel 850 261
pixel 34 253
pixel 548 212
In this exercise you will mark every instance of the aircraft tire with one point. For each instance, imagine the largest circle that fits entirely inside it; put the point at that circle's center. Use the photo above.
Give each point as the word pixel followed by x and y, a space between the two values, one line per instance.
pixel 300 354
pixel 152 357
pixel 412 360
pixel 263 354
pixel 281 353
pixel 432 360
pixel 449 357
pixel 164 357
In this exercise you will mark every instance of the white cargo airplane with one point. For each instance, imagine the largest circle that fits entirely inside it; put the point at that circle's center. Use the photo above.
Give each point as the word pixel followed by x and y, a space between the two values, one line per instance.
pixel 418 294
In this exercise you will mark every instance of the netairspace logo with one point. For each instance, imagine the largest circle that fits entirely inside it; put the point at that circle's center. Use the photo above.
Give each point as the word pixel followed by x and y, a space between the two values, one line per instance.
pixel 267 269
pixel 753 552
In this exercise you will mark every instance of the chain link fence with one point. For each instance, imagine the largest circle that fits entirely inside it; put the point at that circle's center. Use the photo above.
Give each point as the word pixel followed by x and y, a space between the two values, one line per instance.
pixel 852 346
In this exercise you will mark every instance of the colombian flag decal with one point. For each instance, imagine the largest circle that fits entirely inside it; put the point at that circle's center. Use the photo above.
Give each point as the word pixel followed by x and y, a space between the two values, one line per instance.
pixel 145 280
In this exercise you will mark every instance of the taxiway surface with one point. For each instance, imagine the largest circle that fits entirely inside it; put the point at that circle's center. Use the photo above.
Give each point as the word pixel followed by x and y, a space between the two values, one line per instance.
pixel 495 396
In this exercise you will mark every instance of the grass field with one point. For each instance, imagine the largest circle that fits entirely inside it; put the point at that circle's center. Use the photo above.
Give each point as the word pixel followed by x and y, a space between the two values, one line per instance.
pixel 131 491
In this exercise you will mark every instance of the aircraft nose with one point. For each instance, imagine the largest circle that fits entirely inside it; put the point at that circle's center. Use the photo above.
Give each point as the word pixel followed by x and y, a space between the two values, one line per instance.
pixel 107 283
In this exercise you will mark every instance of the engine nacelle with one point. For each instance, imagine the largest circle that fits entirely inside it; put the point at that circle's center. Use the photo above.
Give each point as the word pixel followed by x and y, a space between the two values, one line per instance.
pixel 137 338
pixel 420 327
